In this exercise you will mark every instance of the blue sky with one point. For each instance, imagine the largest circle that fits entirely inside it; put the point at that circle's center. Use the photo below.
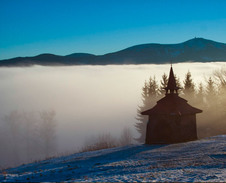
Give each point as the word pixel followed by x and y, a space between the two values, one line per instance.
pixel 32 27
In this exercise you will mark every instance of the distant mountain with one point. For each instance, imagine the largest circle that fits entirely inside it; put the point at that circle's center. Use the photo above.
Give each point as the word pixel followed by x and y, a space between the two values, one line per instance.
pixel 194 50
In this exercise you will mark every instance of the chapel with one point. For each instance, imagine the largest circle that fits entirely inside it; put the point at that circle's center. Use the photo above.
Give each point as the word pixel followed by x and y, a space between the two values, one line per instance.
pixel 172 119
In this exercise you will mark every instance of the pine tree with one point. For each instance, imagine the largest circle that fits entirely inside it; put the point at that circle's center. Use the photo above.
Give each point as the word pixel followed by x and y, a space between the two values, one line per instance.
pixel 163 84
pixel 178 83
pixel 140 126
pixel 211 91
pixel 153 90
pixel 200 96
pixel 145 95
pixel 150 93
pixel 189 87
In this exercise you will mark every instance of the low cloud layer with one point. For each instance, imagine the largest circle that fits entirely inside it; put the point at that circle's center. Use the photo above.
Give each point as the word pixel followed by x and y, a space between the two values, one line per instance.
pixel 87 100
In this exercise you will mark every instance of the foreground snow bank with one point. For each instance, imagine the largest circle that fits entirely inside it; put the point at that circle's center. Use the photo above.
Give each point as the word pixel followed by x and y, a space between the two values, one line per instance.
pixel 202 160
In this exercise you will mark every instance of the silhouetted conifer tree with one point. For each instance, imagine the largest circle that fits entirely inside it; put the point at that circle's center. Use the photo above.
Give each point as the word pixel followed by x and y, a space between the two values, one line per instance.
pixel 200 96
pixel 178 83
pixel 153 89
pixel 142 120
pixel 163 84
pixel 150 93
pixel 210 89
pixel 211 93
pixel 189 87
pixel 145 96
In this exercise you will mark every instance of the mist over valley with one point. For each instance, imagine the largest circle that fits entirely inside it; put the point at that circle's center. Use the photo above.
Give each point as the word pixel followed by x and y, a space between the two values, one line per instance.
pixel 87 100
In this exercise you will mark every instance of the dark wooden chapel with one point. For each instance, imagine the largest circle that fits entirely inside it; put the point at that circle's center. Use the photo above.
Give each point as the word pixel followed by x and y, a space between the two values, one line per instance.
pixel 172 119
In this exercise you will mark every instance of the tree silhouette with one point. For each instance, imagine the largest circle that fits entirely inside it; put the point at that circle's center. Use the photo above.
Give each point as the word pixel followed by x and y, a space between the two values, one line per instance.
pixel 47 131
pixel 153 89
pixel 30 134
pixel 163 84
pixel 210 89
pixel 200 96
pixel 211 93
pixel 189 87
pixel 150 94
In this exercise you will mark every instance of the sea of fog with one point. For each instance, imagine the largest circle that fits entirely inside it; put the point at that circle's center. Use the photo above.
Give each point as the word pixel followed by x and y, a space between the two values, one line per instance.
pixel 88 100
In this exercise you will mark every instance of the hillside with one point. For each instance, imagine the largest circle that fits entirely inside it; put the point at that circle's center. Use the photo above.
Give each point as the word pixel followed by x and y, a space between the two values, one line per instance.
pixel 202 160
pixel 195 50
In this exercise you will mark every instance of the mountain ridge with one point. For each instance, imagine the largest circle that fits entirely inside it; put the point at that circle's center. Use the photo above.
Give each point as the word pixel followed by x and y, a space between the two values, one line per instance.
pixel 193 50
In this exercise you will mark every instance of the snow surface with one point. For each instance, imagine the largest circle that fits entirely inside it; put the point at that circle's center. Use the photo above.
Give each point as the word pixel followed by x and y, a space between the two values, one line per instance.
pixel 202 160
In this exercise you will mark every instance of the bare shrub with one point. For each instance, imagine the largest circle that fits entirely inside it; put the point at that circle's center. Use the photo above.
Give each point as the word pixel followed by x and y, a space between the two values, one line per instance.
pixel 126 137
pixel 103 141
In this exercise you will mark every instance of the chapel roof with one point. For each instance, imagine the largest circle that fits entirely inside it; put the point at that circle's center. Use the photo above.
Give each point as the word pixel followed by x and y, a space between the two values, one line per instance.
pixel 172 104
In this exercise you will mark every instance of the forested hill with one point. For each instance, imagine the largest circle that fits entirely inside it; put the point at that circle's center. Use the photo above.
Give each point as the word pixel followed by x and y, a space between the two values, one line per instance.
pixel 195 50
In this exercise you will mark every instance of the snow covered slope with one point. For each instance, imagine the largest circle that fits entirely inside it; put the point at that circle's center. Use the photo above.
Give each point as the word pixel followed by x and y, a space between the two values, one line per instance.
pixel 203 160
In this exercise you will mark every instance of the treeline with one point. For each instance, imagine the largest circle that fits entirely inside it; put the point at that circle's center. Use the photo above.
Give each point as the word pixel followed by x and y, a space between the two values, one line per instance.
pixel 210 96
pixel 26 137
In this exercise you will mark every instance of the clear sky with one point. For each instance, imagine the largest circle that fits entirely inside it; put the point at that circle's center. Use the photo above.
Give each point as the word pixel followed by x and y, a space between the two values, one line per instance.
pixel 32 27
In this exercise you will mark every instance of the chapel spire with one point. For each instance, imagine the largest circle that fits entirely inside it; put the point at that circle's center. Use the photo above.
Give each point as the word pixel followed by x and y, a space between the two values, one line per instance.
pixel 171 86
